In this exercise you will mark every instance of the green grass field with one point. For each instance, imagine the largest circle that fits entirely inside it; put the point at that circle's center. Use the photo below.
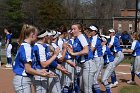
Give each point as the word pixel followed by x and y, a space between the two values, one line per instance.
pixel 128 60
pixel 130 89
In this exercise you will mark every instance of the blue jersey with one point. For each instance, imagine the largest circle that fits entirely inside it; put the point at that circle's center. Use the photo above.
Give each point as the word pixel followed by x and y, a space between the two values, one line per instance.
pixel 8 37
pixel 136 48
pixel 47 51
pixel 39 51
pixel 115 48
pixel 118 35
pixel 125 37
pixel 96 43
pixel 54 64
pixel 78 45
pixel 107 55
pixel 42 54
pixel 24 55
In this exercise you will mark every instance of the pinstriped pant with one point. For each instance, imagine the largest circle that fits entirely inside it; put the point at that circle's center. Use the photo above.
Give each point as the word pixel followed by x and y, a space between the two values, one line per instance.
pixel 136 65
pixel 107 73
pixel 68 79
pixel 99 62
pixel 89 68
pixel 54 83
pixel 41 84
pixel 22 84
pixel 8 51
pixel 118 58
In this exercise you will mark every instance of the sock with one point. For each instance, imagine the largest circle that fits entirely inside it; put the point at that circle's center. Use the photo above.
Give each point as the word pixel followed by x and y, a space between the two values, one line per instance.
pixel 76 85
pixel 70 90
pixel 77 88
pixel 65 89
pixel 97 88
pixel 93 90
pixel 113 77
pixel 133 76
pixel 107 88
pixel 9 60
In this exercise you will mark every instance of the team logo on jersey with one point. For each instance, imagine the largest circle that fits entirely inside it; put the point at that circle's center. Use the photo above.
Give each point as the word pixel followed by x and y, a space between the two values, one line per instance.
pixel 34 58
pixel 75 45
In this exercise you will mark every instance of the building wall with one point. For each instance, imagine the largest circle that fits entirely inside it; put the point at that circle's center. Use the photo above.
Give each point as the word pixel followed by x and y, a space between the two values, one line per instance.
pixel 125 25
pixel 126 20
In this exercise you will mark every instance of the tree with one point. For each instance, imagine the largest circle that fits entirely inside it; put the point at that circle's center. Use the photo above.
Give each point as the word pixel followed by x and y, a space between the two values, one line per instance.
pixel 14 14
pixel 51 12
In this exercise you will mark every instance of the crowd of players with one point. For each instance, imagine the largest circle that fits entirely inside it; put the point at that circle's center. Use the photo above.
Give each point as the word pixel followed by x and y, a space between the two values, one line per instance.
pixel 69 61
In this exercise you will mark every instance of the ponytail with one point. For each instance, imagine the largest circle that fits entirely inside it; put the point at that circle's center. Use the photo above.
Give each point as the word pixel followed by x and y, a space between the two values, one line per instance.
pixel 25 32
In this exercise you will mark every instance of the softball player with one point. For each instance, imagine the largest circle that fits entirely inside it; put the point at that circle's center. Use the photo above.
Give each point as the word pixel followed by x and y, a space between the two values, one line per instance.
pixel 83 55
pixel 54 83
pixel 66 80
pixel 108 60
pixel 135 50
pixel 8 47
pixel 114 46
pixel 69 65
pixel 22 66
pixel 39 50
pixel 98 57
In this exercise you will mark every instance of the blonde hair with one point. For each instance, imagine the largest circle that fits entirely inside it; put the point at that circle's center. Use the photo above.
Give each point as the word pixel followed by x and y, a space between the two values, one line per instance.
pixel 25 32
pixel 135 34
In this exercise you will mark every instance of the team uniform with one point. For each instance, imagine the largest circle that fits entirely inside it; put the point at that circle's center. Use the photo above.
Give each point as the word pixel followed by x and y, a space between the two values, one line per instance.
pixel 98 59
pixel 39 81
pixel 8 50
pixel 136 53
pixel 69 79
pixel 88 68
pixel 108 60
pixel 60 43
pixel 22 80
pixel 117 50
pixel 54 83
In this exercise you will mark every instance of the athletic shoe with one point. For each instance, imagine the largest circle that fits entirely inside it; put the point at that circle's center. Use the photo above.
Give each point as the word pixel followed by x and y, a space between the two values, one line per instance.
pixel 113 85
pixel 8 65
pixel 131 82
pixel 116 83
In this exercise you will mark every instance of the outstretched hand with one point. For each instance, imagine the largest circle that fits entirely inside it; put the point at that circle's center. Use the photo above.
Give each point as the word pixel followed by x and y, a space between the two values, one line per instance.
pixel 65 71
pixel 44 73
